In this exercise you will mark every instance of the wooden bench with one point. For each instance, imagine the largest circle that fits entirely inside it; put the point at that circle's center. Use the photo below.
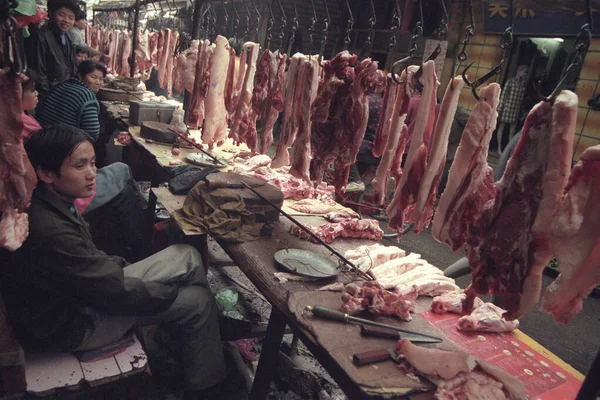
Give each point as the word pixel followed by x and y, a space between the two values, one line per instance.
pixel 45 374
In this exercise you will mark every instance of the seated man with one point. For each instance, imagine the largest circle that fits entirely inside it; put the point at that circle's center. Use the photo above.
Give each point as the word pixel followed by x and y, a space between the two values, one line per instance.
pixel 62 294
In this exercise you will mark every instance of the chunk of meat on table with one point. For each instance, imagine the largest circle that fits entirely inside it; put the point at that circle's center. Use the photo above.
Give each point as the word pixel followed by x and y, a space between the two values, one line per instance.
pixel 375 299
pixel 435 285
pixel 312 206
pixel 17 177
pixel 353 228
pixel 403 206
pixel 459 375
pixel 470 182
pixel 397 266
pixel 339 216
pixel 487 317
pixel 361 251
pixel 333 287
pixel 507 249
pixel 575 239
pixel 378 256
pixel 451 302
pixel 426 270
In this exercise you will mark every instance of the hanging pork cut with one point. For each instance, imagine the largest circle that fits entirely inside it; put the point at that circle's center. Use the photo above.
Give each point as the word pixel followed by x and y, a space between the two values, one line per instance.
pixel 185 68
pixel 242 122
pixel 394 134
pixel 301 150
pixel 575 240
pixel 403 206
pixel 291 112
pixel 126 54
pixel 142 55
pixel 153 45
pixel 385 120
pixel 327 130
pixel 508 243
pixel 164 57
pixel 470 182
pixel 197 107
pixel 230 83
pixel 170 63
pixel 17 177
pixel 239 82
pixel 214 130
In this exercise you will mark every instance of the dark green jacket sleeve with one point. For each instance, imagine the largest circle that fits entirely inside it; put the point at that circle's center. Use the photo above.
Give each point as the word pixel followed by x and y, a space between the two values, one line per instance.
pixel 93 278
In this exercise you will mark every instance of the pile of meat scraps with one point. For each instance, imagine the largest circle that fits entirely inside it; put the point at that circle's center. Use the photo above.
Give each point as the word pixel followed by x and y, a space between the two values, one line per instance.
pixel 348 228
pixel 459 375
pixel 374 298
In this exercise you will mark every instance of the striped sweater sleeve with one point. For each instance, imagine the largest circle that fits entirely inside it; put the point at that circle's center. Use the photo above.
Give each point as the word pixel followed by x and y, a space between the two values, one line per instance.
pixel 88 118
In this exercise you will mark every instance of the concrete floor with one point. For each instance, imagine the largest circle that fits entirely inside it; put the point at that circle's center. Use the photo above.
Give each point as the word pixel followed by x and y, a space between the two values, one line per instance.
pixel 576 343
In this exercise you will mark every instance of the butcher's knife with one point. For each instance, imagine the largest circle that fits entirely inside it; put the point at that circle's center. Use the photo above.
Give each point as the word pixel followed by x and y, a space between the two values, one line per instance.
pixel 232 185
pixel 334 315
pixel 375 356
pixel 395 335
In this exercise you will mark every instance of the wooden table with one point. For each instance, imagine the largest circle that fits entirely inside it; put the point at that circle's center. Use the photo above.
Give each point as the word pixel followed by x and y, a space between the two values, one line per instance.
pixel 256 260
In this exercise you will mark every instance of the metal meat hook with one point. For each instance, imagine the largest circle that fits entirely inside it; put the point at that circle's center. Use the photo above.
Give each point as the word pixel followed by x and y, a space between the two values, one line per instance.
pixel 283 25
pixel 349 27
pixel 257 21
pixel 434 54
pixel 369 42
pixel 311 29
pixel 474 85
pixel 295 26
pixel 247 31
pixel 325 32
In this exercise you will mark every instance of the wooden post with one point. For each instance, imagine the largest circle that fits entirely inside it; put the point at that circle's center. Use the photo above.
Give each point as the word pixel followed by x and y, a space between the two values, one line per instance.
pixel 136 20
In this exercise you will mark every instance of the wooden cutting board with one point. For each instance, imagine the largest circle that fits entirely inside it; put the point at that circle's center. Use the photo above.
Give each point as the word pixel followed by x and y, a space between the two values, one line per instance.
pixel 253 202
pixel 157 131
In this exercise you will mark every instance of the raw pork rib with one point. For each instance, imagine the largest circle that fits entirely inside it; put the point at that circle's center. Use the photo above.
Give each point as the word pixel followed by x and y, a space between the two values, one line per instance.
pixel 17 177
pixel 459 375
pixel 470 180
pixel 395 136
pixel 291 112
pixel 389 102
pixel 242 121
pixel 575 239
pixel 185 68
pixel 451 302
pixel 402 208
pixel 215 120
pixel 372 297
pixel 437 155
pixel 351 228
pixel 486 318
pixel 201 79
pixel 305 94
pixel 506 252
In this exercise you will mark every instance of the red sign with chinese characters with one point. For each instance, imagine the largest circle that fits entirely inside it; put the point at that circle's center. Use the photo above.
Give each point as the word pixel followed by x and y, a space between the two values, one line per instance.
pixel 543 379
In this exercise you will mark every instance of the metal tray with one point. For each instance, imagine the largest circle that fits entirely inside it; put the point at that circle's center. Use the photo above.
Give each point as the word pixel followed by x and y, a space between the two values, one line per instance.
pixel 306 263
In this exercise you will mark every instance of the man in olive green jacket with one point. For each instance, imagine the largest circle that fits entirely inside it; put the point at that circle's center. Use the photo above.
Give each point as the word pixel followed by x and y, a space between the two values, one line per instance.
pixel 63 294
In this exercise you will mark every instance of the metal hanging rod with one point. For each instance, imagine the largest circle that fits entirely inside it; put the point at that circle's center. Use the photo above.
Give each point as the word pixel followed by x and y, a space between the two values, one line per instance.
pixel 295 26
pixel 326 22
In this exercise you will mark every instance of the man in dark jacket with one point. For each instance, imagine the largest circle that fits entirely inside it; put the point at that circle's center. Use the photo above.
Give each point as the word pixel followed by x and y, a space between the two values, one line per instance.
pixel 63 294
pixel 51 52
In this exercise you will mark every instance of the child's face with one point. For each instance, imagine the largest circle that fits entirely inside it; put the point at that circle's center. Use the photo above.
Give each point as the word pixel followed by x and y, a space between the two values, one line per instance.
pixel 96 58
pixel 79 57
pixel 30 99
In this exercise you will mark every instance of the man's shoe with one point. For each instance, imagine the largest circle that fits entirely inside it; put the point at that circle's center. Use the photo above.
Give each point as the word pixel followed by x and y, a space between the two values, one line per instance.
pixel 353 187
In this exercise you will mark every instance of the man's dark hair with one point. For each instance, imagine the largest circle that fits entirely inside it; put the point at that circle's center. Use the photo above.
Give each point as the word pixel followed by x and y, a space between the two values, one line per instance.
pixel 55 5
pixel 89 66
pixel 49 147
pixel 80 15
pixel 81 49
pixel 30 84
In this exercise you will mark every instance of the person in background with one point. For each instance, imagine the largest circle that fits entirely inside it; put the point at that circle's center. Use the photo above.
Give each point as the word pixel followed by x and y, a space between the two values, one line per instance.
pixel 62 294
pixel 28 104
pixel 81 54
pixel 74 102
pixel 77 32
pixel 50 53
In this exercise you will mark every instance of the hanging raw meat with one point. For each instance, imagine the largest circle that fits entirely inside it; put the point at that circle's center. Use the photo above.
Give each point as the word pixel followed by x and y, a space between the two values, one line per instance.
pixel 185 68
pixel 301 150
pixel 395 134
pixel 153 42
pixel 291 113
pixel 230 83
pixel 403 206
pixel 196 110
pixel 269 104
pixel 385 120
pixel 575 240
pixel 436 161
pixel 507 244
pixel 215 121
pixel 164 57
pixel 170 62
pixel 242 122
pixel 142 55
pixel 239 82
pixel 327 128
pixel 17 177
pixel 127 43
pixel 470 180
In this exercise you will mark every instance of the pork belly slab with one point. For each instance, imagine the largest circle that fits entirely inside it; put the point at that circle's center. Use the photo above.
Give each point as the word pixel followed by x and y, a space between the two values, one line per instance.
pixel 575 240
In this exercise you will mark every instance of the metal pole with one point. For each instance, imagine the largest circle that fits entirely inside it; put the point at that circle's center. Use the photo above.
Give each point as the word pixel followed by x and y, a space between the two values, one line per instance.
pixel 136 20
pixel 196 22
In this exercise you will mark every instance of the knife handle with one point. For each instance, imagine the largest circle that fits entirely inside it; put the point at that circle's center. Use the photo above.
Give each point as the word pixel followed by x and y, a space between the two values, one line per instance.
pixel 328 313
pixel 370 357
pixel 218 184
